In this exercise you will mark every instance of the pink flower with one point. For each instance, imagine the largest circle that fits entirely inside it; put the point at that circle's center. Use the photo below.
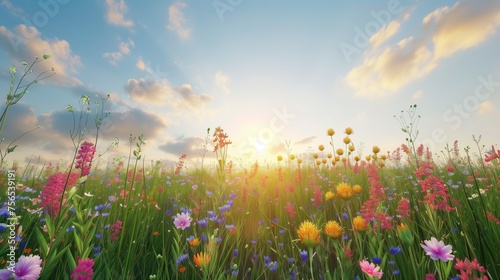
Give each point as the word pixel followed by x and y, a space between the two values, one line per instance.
pixel 116 228
pixel 370 269
pixel 53 192
pixel 84 270
pixel 182 221
pixel 84 157
pixel 437 250
pixel 27 267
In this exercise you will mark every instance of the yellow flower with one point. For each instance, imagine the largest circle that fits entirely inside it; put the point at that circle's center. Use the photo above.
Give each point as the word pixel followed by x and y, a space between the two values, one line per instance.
pixel 340 152
pixel 330 132
pixel 318 162
pixel 384 157
pixel 299 161
pixel 333 229
pixel 337 158
pixel 329 195
pixel 323 161
pixel 309 234
pixel 357 158
pixel 348 131
pixel 368 157
pixel 351 148
pixel 194 242
pixel 292 157
pixel 329 155
pixel 357 189
pixel 347 140
pixel 359 224
pixel 381 164
pixel 376 149
pixel 315 155
pixel 344 191
pixel 280 158
pixel 321 147
pixel 201 259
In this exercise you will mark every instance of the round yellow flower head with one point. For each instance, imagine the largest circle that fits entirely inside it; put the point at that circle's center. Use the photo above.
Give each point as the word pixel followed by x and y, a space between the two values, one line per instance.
pixel 351 148
pixel 329 195
pixel 333 229
pixel 344 191
pixel 347 140
pixel 280 158
pixel 292 157
pixel 357 158
pixel 329 155
pixel 381 164
pixel 309 234
pixel 384 157
pixel 330 132
pixel 340 151
pixel 357 189
pixel 348 131
pixel 321 147
pixel 337 158
pixel 318 162
pixel 368 157
pixel 376 149
pixel 359 224
pixel 299 160
pixel 315 155
pixel 324 161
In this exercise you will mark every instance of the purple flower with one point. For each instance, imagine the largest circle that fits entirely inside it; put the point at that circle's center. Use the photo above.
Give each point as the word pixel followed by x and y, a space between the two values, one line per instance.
pixel 182 221
pixel 202 223
pixel 437 250
pixel 303 256
pixel 27 267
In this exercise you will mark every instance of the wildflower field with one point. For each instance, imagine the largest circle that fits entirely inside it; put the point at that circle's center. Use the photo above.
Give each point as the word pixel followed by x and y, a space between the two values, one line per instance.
pixel 326 214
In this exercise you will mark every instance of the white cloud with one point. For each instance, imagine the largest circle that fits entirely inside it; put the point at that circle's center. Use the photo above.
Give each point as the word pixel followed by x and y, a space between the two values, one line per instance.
pixel 25 43
pixel 123 49
pixel 388 68
pixel 13 10
pixel 116 13
pixel 177 20
pixel 140 64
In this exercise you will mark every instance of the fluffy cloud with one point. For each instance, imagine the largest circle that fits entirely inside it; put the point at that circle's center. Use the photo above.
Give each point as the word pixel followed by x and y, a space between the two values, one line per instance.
pixel 116 13
pixel 24 43
pixel 388 68
pixel 191 146
pixel 485 107
pixel 177 20
pixel 123 49
pixel 161 93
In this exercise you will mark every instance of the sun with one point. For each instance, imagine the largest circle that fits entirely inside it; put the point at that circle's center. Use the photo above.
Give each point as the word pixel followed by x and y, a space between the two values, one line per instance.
pixel 260 147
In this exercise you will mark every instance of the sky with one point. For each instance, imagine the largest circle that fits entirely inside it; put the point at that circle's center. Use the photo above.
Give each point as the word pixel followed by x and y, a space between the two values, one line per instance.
pixel 275 75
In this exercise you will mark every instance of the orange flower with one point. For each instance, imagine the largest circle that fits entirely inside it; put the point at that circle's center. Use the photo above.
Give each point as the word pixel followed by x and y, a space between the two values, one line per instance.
pixel 309 234
pixel 182 269
pixel 357 189
pixel 333 229
pixel 344 191
pixel 27 251
pixel 359 224
pixel 155 233
pixel 201 259
pixel 194 242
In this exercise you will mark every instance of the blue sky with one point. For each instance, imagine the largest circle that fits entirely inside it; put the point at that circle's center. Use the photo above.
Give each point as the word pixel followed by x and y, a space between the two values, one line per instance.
pixel 265 71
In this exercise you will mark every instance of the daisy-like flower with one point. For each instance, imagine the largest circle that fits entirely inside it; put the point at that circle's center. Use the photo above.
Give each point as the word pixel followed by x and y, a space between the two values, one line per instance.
pixel 359 224
pixel 182 221
pixel 344 191
pixel 329 195
pixel 309 234
pixel 201 259
pixel 370 269
pixel 27 267
pixel 437 250
pixel 333 229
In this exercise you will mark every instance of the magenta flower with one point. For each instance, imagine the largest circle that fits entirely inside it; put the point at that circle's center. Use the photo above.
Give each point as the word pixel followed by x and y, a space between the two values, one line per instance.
pixel 84 270
pixel 437 250
pixel 116 228
pixel 53 192
pixel 370 269
pixel 182 221
pixel 27 267
pixel 84 157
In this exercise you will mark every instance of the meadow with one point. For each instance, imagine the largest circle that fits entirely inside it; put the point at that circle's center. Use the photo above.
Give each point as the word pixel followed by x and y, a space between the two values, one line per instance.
pixel 410 213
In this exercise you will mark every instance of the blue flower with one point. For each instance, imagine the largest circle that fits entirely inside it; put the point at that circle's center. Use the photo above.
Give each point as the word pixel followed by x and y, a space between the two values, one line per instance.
pixel 274 266
pixel 182 258
pixel 303 256
pixel 376 260
pixel 395 250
